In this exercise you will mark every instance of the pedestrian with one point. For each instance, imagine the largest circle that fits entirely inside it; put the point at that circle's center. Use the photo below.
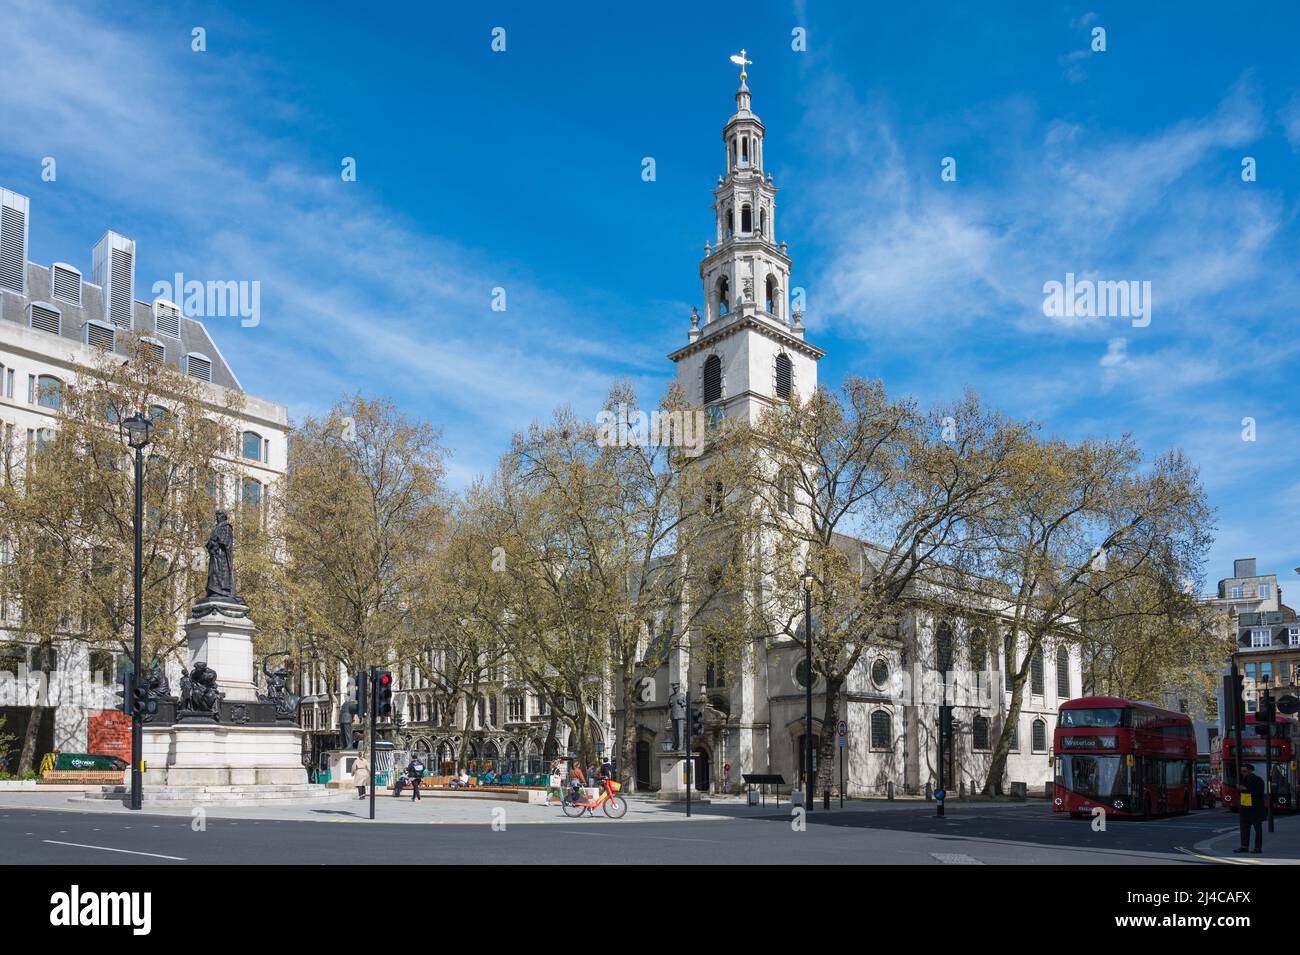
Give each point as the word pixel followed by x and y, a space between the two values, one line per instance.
pixel 415 772
pixel 361 775
pixel 1251 808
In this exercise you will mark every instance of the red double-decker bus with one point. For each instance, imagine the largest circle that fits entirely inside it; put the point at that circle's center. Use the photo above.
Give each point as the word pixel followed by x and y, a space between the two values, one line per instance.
pixel 1223 763
pixel 1131 759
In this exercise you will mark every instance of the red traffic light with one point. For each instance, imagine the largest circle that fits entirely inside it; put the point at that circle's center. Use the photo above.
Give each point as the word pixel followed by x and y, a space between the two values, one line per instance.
pixel 385 679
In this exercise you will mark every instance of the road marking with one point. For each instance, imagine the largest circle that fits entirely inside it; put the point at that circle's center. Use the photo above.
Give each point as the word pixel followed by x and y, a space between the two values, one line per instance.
pixel 1208 858
pixel 956 858
pixel 79 845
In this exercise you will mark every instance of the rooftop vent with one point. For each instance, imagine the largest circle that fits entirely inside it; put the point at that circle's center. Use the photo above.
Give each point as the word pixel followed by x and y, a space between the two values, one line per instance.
pixel 100 335
pixel 153 349
pixel 44 316
pixel 167 318
pixel 13 241
pixel 198 366
pixel 114 270
pixel 66 282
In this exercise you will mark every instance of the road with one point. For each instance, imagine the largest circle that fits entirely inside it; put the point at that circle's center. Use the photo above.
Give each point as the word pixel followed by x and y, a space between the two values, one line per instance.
pixel 970 834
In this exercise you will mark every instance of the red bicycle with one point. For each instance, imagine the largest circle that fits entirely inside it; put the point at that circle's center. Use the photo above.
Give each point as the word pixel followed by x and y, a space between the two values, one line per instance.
pixel 608 799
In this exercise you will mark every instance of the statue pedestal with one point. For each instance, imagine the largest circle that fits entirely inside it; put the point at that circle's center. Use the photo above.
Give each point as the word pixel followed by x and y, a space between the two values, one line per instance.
pixel 221 634
pixel 340 763
pixel 672 779
pixel 247 743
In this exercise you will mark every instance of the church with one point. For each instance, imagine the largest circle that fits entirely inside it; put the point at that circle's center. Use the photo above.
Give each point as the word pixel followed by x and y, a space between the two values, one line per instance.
pixel 746 350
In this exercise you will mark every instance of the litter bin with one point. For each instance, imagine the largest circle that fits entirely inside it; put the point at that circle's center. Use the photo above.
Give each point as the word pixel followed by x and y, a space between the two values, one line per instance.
pixel 1018 791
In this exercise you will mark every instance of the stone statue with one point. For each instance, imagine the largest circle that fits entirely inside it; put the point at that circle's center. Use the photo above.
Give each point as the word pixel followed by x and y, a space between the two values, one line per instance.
pixel 677 713
pixel 221 562
pixel 277 690
pixel 199 693
pixel 346 712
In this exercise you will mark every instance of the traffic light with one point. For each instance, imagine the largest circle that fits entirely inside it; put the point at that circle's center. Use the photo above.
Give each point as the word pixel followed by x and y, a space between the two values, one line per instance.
pixel 125 692
pixel 142 704
pixel 1267 712
pixel 359 684
pixel 697 721
pixel 945 721
pixel 383 694
pixel 1234 702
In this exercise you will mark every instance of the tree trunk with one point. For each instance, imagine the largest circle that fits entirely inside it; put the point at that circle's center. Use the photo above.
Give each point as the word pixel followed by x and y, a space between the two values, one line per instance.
pixel 998 765
pixel 28 754
pixel 826 745
pixel 628 734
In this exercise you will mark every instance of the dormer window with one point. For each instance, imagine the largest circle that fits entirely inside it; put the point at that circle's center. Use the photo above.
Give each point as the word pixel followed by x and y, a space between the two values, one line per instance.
pixel 153 350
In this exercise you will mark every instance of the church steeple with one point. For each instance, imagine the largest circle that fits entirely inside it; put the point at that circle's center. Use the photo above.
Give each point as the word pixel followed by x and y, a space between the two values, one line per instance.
pixel 746 283
pixel 746 266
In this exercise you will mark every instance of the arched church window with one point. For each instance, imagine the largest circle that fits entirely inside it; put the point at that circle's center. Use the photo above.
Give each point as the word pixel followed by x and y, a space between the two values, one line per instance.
pixel 784 376
pixel 772 296
pixel 744 149
pixel 785 491
pixel 712 379
pixel 762 222
pixel 730 221
pixel 943 648
pixel 746 219
pixel 724 295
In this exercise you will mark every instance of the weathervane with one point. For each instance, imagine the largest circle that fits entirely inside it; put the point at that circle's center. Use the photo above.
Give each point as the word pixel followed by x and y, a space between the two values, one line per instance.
pixel 740 61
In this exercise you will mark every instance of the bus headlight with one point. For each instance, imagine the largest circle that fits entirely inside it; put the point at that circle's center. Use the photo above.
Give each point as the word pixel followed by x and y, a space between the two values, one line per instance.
pixel 1059 800
pixel 1118 804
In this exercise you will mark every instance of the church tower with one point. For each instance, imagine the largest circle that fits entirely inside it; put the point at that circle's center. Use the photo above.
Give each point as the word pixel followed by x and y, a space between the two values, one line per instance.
pixel 748 350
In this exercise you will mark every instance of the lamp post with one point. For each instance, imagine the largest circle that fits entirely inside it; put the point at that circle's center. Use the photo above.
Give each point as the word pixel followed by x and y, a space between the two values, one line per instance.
pixel 704 698
pixel 807 579
pixel 137 436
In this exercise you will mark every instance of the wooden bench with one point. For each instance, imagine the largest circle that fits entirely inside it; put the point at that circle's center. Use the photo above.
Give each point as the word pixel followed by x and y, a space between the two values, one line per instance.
pixel 82 777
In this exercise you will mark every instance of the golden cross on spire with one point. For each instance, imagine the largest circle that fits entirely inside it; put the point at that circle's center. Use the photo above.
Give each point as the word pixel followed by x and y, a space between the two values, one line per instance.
pixel 740 61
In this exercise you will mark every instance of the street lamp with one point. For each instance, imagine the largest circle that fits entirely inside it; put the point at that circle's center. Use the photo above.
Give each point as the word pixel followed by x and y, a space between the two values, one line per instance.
pixel 806 580
pixel 137 428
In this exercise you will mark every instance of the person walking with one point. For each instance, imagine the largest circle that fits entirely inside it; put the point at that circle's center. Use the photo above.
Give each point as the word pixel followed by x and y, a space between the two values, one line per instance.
pixel 361 775
pixel 415 772
pixel 1252 808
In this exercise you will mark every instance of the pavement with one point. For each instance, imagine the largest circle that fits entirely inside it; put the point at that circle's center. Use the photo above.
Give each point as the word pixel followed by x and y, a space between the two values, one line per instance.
pixel 1281 846
pixel 44 828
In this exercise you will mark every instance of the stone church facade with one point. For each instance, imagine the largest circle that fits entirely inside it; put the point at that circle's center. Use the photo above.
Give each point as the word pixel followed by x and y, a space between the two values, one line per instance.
pixel 747 350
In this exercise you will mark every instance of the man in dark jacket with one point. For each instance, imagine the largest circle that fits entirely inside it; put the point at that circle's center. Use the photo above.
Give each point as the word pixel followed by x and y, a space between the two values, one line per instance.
pixel 415 772
pixel 1251 808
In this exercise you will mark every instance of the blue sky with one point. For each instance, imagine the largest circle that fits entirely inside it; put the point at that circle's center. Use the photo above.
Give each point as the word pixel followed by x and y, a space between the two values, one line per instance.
pixel 522 170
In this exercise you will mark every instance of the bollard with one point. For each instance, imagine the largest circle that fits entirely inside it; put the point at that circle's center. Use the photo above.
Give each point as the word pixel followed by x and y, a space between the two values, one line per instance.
pixel 961 789
pixel 826 798
pixel 889 789
pixel 928 793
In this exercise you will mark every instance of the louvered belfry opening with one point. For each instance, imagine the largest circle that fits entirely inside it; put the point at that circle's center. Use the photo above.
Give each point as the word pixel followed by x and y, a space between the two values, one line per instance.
pixel 712 379
pixel 784 376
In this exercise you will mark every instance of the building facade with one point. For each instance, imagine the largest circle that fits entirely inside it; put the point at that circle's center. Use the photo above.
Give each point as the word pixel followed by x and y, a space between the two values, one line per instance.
pixel 54 323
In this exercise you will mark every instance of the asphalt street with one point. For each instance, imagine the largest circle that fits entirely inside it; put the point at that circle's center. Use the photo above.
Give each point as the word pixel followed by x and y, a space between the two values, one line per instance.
pixel 970 834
